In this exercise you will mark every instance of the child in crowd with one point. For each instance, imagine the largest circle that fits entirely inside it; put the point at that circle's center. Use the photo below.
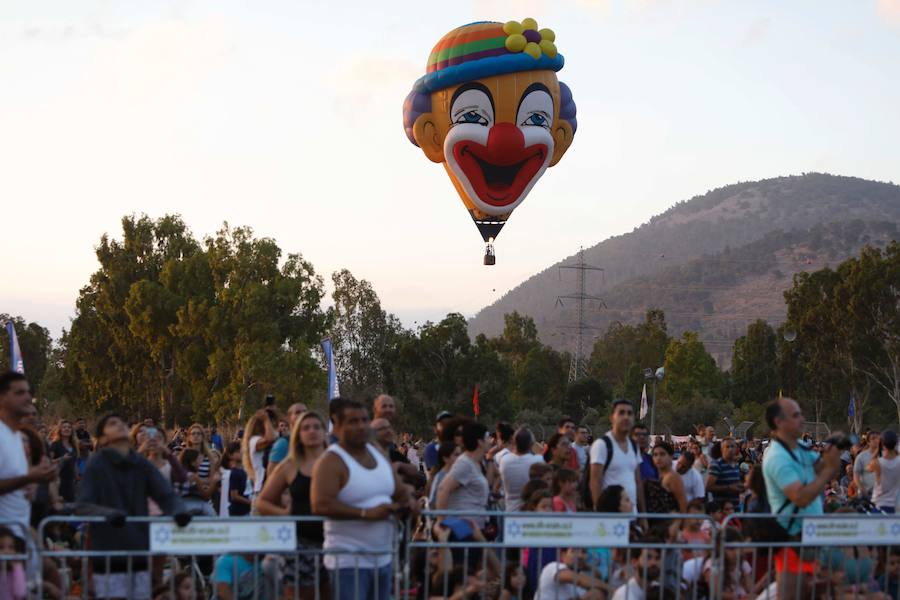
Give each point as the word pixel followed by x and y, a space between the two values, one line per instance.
pixel 541 471
pixel 540 501
pixel 513 583
pixel 238 577
pixel 13 585
pixel 565 579
pixel 889 582
pixel 534 559
pixel 238 483
pixel 179 588
pixel 565 491
pixel 533 486
pixel 736 577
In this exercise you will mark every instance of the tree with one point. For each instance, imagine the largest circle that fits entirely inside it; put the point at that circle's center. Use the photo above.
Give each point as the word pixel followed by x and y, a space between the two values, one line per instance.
pixel 539 373
pixel 830 346
pixel 585 395
pixel 690 371
pixel 174 329
pixel 753 365
pixel 619 357
pixel 361 334
pixel 35 344
pixel 869 294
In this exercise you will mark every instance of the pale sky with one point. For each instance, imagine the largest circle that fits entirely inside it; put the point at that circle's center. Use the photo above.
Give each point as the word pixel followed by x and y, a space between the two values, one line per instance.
pixel 286 116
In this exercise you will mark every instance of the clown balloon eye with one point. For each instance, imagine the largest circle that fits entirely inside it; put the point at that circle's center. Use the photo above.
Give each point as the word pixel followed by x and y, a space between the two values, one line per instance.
pixel 471 117
pixel 472 106
pixel 536 119
pixel 536 109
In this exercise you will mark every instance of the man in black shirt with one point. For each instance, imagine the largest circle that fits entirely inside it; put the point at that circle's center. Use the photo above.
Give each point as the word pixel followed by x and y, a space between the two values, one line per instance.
pixel 117 483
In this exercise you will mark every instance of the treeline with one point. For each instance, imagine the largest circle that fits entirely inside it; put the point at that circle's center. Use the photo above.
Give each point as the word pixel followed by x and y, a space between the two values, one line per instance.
pixel 717 240
pixel 182 329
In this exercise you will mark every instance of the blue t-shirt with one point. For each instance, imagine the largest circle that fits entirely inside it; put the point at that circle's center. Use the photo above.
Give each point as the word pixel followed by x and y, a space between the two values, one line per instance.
pixel 431 455
pixel 781 470
pixel 238 482
pixel 648 469
pixel 279 451
pixel 236 572
pixel 726 474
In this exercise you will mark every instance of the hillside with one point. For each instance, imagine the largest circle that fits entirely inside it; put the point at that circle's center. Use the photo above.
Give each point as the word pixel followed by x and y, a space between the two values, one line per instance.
pixel 715 262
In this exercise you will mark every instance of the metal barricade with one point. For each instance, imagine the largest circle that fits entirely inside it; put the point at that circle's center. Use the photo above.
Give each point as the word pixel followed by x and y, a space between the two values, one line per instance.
pixel 238 557
pixel 591 553
pixel 838 555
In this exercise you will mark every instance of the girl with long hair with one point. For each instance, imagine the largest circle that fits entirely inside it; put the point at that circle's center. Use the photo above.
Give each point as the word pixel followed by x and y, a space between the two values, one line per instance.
pixel 307 444
pixel 666 494
pixel 565 491
pixel 559 448
pixel 64 448
pixel 153 447
pixel 209 457
pixel 259 434
pixel 447 454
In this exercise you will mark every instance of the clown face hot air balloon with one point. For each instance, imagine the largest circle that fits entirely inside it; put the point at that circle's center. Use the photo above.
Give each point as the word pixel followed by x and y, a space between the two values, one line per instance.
pixel 491 110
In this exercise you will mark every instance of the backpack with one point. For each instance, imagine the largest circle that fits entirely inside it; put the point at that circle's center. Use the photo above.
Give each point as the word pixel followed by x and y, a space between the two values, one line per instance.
pixel 769 529
pixel 586 499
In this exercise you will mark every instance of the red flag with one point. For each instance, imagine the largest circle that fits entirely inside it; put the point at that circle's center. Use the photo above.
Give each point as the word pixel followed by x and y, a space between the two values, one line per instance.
pixel 475 406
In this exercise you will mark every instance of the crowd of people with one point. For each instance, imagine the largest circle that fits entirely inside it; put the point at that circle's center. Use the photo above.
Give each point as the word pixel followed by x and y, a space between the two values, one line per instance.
pixel 367 483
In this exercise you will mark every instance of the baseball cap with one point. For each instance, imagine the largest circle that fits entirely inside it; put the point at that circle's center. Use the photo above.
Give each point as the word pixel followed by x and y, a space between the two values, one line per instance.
pixel 443 415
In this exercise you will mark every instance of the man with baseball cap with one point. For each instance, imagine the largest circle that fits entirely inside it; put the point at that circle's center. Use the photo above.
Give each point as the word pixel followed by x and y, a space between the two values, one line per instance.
pixel 431 450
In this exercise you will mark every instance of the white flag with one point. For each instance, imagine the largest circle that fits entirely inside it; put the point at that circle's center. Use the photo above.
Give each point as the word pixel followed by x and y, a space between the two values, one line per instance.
pixel 644 402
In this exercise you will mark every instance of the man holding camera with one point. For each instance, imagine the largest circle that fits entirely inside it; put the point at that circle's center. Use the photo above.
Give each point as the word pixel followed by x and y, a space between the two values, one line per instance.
pixel 795 478
pixel 863 476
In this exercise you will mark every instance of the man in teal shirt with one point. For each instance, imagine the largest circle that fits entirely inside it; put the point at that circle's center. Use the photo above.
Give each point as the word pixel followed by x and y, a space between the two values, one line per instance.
pixel 795 479
pixel 280 448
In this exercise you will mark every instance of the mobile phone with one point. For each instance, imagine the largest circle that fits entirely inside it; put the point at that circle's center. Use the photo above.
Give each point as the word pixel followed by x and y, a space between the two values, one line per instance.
pixel 270 400
pixel 151 432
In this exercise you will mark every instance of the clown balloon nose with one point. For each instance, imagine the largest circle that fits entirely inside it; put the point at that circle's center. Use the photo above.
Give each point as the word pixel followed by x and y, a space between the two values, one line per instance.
pixel 491 110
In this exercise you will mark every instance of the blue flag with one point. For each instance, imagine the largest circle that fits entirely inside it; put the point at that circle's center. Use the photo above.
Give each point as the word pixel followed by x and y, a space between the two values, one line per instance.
pixel 851 410
pixel 333 389
pixel 15 354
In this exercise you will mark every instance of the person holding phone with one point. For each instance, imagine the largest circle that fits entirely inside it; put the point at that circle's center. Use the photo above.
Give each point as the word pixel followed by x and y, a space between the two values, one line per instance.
pixel 64 450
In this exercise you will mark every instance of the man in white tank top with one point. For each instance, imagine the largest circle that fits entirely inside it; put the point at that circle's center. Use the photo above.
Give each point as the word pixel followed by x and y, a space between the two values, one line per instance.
pixel 354 487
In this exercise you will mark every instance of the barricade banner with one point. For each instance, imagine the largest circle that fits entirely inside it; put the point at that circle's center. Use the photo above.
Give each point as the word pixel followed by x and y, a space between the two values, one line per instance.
pixel 833 531
pixel 547 530
pixel 224 536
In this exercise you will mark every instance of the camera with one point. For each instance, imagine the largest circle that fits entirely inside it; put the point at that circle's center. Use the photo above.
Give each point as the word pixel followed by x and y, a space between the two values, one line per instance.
pixel 270 400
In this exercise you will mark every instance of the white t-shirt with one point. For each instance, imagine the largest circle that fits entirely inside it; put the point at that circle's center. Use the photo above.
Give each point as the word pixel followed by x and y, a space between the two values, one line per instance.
pixel 256 459
pixel 551 589
pixel 630 591
pixel 621 468
pixel 581 452
pixel 867 478
pixel 499 456
pixel 693 485
pixel 887 488
pixel 13 506
pixel 514 476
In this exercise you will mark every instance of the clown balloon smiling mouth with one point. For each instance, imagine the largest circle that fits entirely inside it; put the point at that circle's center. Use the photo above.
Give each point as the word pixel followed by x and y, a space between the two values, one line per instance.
pixel 491 109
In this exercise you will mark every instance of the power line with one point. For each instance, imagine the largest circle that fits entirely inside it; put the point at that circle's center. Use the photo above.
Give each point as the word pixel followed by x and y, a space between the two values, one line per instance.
pixel 576 369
